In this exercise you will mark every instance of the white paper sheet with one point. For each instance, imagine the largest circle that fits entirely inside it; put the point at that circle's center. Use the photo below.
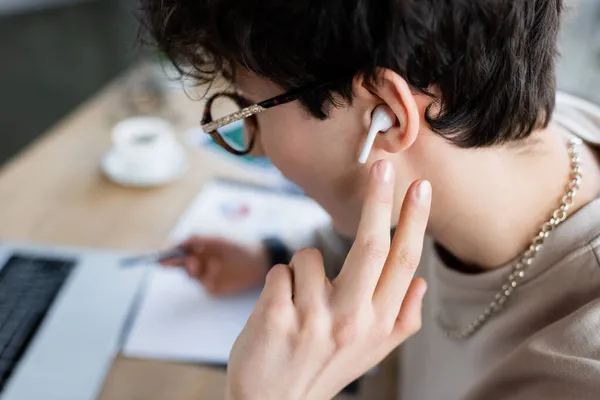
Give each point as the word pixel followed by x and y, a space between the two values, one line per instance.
pixel 176 319
pixel 246 214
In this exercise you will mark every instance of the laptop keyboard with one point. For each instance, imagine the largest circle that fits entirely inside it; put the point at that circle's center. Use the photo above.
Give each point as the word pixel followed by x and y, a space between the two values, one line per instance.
pixel 28 285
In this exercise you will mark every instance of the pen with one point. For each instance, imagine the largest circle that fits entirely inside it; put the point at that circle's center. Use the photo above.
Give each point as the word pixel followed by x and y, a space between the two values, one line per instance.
pixel 153 258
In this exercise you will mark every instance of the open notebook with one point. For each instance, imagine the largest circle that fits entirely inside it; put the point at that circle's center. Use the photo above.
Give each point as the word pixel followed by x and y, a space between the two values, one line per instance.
pixel 176 319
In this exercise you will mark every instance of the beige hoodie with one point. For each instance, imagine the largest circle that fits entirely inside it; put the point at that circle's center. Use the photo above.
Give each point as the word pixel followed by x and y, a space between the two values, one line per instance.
pixel 545 344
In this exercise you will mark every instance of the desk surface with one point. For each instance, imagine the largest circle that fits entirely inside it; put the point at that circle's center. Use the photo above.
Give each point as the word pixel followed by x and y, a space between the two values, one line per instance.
pixel 55 193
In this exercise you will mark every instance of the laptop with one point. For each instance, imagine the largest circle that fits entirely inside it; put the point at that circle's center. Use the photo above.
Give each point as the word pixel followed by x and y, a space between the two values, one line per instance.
pixel 63 312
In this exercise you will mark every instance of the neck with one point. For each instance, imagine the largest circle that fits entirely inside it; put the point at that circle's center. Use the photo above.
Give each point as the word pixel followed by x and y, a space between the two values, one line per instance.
pixel 491 215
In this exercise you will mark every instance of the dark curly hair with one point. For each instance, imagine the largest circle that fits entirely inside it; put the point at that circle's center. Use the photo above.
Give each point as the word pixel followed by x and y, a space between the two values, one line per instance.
pixel 492 61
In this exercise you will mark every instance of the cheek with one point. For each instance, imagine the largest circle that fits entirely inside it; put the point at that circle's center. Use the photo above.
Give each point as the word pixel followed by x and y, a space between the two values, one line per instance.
pixel 294 142
pixel 313 155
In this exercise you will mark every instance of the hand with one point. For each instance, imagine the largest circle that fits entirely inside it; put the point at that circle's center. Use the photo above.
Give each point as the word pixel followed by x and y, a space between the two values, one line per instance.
pixel 309 337
pixel 223 267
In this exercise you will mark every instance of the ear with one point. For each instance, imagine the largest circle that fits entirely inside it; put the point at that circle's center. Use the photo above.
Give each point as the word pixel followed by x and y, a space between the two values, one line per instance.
pixel 391 89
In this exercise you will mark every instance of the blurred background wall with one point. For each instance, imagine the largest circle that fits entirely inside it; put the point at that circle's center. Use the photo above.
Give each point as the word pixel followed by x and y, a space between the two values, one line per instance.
pixel 579 63
pixel 54 54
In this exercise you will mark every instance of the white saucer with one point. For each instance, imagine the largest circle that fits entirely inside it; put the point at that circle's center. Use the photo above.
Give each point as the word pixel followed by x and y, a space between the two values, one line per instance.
pixel 114 168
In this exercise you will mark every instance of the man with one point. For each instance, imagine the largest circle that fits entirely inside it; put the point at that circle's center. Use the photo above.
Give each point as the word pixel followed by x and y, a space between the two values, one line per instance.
pixel 514 235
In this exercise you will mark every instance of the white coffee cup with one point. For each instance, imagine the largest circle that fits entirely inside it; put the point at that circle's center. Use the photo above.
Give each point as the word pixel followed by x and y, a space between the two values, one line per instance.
pixel 147 148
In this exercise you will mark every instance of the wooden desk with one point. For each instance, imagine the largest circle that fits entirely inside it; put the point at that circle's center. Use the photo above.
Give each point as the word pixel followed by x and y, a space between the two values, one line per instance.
pixel 55 193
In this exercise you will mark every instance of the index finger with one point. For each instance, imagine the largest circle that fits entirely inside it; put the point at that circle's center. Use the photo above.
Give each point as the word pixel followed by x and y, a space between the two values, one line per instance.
pixel 173 262
pixel 367 256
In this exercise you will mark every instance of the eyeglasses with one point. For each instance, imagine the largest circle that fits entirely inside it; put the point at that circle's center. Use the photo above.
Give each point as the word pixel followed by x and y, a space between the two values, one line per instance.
pixel 213 120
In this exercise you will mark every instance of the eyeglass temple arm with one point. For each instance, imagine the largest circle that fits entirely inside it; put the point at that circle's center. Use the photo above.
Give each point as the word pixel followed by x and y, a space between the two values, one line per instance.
pixel 260 107
pixel 236 116
pixel 250 111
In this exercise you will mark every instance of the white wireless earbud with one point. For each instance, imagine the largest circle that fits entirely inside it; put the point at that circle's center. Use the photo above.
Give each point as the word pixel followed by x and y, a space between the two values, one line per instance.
pixel 383 120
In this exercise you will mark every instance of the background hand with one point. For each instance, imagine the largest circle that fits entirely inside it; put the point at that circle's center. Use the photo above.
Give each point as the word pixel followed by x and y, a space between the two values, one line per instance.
pixel 221 266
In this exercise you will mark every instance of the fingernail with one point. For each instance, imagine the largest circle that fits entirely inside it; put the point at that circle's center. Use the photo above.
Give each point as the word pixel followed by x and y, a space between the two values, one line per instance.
pixel 384 171
pixel 423 191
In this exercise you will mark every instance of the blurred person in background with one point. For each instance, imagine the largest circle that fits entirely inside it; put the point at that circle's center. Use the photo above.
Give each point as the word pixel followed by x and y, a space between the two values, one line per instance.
pixel 503 174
